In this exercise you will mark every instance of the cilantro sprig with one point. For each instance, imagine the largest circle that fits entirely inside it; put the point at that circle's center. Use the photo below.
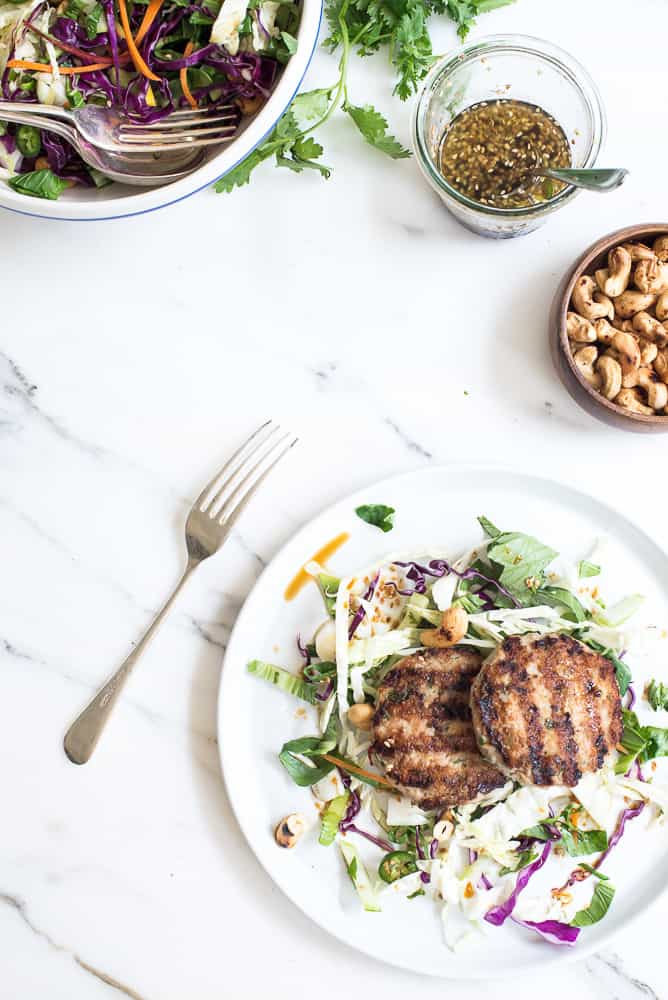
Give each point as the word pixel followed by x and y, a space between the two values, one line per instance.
pixel 291 143
pixel 364 26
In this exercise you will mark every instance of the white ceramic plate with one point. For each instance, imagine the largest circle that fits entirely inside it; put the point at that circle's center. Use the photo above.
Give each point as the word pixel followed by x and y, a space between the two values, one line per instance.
pixel 435 508
pixel 118 201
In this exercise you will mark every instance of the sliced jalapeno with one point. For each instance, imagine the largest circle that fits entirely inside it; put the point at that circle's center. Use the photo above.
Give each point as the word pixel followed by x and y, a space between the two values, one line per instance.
pixel 28 140
pixel 397 864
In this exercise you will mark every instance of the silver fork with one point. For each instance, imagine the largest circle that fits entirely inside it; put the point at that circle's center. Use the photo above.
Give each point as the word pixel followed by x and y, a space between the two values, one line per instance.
pixel 208 525
pixel 139 170
pixel 111 129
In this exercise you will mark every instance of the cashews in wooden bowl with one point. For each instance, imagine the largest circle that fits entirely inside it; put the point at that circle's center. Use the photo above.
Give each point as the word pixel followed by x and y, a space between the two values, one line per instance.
pixel 609 329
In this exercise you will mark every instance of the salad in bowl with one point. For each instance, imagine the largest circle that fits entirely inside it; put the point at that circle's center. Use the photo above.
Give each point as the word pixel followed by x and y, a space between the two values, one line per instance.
pixel 147 57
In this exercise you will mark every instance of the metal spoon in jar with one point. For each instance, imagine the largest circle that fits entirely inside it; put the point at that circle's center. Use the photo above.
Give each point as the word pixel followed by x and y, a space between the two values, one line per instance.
pixel 592 179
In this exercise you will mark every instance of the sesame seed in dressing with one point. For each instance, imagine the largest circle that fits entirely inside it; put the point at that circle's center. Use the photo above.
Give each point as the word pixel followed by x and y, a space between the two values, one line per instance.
pixel 488 153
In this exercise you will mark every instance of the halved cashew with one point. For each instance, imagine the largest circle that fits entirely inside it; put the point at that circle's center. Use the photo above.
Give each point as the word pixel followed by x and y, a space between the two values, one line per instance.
pixel 629 303
pixel 584 360
pixel 627 351
pixel 361 716
pixel 661 365
pixel 638 251
pixel 618 273
pixel 651 277
pixel 588 302
pixel 661 248
pixel 648 352
pixel 630 400
pixel 452 629
pixel 655 389
pixel 661 308
pixel 289 830
pixel 649 328
pixel 579 329
pixel 604 331
pixel 611 376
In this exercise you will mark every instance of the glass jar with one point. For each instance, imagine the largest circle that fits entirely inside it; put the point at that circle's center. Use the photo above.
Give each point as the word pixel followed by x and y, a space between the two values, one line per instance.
pixel 519 68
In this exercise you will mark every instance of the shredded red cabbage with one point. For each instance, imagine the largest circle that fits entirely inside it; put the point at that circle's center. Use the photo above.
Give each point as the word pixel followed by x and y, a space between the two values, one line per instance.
pixel 499 914
pixel 325 690
pixel 303 650
pixel 360 613
pixel 439 568
pixel 627 814
pixel 631 693
pixel 552 930
pixel 70 33
pixel 347 826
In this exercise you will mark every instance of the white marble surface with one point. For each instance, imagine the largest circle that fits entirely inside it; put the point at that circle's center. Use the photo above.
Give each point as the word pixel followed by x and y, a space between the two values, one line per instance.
pixel 135 355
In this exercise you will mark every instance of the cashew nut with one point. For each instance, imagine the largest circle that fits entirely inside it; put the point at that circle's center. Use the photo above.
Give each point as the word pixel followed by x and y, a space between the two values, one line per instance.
pixel 622 324
pixel 661 365
pixel 661 248
pixel 648 352
pixel 289 830
pixel 649 328
pixel 604 331
pixel 630 400
pixel 579 329
pixel 661 308
pixel 611 376
pixel 618 273
pixel 249 105
pixel 601 277
pixel 627 351
pixel 361 716
pixel 638 251
pixel 655 389
pixel 629 303
pixel 452 629
pixel 588 302
pixel 651 277
pixel 584 360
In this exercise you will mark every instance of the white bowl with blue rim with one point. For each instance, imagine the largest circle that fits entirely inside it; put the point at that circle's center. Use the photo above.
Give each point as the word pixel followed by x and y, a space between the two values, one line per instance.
pixel 117 201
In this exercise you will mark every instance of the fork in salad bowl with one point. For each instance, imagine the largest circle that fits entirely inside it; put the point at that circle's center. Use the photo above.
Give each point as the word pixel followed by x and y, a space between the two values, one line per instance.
pixel 111 129
pixel 208 525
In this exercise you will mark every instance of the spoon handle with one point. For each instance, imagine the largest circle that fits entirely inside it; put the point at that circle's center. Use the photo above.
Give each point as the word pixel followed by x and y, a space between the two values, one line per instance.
pixel 590 179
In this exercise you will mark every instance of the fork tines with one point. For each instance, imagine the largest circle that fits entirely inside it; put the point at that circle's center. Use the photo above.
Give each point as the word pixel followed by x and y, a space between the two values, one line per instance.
pixel 229 491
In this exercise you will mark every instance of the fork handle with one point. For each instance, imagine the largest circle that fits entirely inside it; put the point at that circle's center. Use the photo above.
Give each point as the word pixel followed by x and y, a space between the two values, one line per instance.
pixel 47 110
pixel 82 736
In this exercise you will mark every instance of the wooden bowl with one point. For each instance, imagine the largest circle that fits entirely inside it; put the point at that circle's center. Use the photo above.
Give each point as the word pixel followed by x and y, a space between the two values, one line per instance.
pixel 588 398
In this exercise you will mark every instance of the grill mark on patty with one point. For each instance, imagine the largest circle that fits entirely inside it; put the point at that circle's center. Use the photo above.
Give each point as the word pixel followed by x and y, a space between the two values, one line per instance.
pixel 423 730
pixel 546 710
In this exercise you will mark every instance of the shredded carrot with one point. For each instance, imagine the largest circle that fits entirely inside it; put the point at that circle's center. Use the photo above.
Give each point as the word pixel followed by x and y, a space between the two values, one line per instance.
pixel 183 77
pixel 354 769
pixel 152 12
pixel 46 68
pixel 136 55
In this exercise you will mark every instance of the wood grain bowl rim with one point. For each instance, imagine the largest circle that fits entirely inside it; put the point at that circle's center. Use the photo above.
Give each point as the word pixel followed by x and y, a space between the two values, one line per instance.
pixel 588 262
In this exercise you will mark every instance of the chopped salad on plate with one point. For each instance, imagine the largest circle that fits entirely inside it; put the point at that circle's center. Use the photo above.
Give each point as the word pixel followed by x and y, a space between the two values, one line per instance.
pixel 409 647
pixel 146 57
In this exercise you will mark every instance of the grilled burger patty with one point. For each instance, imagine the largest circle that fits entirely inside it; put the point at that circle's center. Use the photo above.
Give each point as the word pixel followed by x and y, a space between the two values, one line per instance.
pixel 423 732
pixel 546 710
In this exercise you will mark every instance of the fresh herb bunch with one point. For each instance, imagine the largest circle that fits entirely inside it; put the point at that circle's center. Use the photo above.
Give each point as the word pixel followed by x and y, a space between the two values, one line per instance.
pixel 364 26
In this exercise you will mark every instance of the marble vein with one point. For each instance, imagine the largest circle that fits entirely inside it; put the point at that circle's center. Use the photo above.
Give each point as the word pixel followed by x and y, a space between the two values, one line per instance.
pixel 614 964
pixel 20 908
pixel 412 445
